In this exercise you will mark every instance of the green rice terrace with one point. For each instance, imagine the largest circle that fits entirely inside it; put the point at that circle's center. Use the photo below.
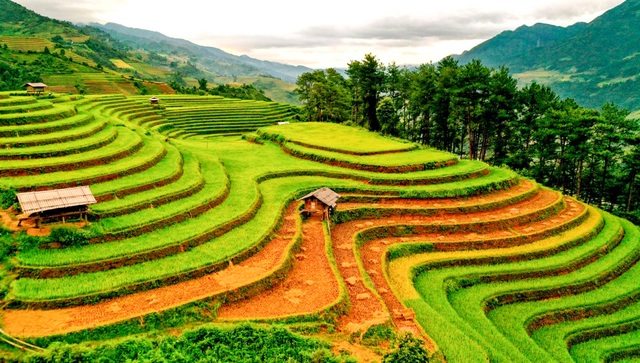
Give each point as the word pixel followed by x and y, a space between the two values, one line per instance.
pixel 192 229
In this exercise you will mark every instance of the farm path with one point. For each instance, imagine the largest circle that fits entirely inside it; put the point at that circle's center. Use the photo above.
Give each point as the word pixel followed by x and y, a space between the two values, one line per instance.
pixel 309 287
pixel 35 323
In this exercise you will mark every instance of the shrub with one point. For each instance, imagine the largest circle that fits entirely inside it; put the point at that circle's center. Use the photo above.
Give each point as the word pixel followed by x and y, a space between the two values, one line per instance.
pixel 7 198
pixel 6 243
pixel 69 236
pixel 25 242
pixel 409 350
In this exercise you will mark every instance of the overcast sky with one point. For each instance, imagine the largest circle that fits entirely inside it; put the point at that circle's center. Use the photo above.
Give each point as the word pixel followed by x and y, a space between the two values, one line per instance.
pixel 328 33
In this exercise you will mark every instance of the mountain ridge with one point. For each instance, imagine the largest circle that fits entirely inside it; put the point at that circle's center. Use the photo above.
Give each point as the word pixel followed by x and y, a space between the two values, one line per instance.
pixel 593 62
pixel 254 67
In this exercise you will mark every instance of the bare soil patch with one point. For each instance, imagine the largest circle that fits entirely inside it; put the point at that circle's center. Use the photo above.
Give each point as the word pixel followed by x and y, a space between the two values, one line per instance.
pixel 59 321
pixel 309 286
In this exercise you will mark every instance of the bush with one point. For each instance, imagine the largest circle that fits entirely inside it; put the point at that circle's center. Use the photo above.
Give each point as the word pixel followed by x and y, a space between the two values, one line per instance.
pixel 7 198
pixel 26 242
pixel 69 236
pixel 6 243
pixel 409 350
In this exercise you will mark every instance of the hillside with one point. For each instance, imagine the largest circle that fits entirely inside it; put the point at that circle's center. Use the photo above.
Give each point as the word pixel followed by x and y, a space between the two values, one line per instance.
pixel 593 63
pixel 194 235
pixel 210 59
pixel 85 59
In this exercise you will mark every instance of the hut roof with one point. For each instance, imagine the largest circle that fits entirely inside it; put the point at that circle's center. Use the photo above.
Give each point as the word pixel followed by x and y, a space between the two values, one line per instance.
pixel 325 195
pixel 35 85
pixel 32 202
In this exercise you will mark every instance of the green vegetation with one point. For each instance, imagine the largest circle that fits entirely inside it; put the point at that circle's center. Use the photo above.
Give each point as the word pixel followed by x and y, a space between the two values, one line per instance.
pixel 244 343
pixel 579 61
pixel 193 216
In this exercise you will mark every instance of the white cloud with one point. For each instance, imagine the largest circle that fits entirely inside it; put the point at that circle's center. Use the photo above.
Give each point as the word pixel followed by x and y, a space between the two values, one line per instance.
pixel 331 32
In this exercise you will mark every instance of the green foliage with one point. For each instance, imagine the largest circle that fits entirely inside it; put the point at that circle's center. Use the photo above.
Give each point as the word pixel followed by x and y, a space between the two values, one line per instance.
pixel 69 236
pixel 6 243
pixel 25 242
pixel 378 334
pixel 408 350
pixel 7 198
pixel 243 343
pixel 325 96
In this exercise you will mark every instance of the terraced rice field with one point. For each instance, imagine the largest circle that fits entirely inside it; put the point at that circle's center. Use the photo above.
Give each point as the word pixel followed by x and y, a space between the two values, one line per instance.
pixel 479 263
pixel 201 116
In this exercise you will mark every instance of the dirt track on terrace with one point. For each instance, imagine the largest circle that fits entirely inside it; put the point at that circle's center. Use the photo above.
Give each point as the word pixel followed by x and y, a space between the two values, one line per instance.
pixel 34 323
pixel 309 286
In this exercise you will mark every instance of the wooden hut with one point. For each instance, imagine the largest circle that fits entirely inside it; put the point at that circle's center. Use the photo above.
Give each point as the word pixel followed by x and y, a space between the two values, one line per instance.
pixel 58 204
pixel 322 201
pixel 154 101
pixel 35 88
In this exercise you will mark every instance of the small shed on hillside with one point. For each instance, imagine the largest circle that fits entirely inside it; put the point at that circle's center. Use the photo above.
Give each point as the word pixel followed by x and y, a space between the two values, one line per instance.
pixel 35 88
pixel 154 101
pixel 59 204
pixel 323 200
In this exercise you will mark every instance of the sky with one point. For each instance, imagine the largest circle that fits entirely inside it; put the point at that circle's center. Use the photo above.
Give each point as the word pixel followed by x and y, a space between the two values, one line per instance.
pixel 328 33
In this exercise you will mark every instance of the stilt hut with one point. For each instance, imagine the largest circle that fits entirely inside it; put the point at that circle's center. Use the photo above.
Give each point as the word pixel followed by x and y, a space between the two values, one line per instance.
pixel 58 204
pixel 154 101
pixel 35 88
pixel 321 201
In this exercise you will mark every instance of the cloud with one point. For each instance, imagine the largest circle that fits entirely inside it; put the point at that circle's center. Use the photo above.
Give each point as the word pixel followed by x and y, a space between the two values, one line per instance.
pixel 571 10
pixel 73 11
pixel 389 31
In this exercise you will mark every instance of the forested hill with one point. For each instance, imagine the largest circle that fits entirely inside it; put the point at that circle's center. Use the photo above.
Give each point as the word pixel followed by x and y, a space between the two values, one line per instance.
pixel 86 59
pixel 592 63
pixel 211 59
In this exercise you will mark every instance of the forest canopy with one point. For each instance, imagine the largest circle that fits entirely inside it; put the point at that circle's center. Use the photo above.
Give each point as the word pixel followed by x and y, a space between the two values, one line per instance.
pixel 480 113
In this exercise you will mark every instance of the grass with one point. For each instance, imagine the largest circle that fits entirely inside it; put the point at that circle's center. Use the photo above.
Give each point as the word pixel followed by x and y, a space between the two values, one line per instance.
pixel 337 137
pixel 429 295
pixel 165 169
pixel 148 154
pixel 478 301
pixel 126 142
pixel 47 127
pixel 242 161
pixel 190 180
pixel 215 182
pixel 421 157
pixel 99 139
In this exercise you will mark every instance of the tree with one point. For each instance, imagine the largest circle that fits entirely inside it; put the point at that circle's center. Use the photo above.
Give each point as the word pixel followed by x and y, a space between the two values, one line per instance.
pixel 422 103
pixel 611 134
pixel 471 96
pixel 202 84
pixel 367 78
pixel 388 117
pixel 535 100
pixel 408 350
pixel 447 82
pixel 325 95
pixel 499 115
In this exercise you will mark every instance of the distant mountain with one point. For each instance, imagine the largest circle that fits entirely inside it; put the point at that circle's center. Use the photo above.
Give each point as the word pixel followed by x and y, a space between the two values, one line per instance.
pixel 593 63
pixel 210 59
pixel 511 46
pixel 115 59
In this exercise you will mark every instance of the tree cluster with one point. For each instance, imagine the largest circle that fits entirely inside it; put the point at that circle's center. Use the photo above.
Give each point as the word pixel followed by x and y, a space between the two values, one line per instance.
pixel 243 92
pixel 480 113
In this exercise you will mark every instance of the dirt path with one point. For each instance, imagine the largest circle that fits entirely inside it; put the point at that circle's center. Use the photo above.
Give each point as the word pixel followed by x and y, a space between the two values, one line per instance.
pixel 34 323
pixel 366 308
pixel 309 287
